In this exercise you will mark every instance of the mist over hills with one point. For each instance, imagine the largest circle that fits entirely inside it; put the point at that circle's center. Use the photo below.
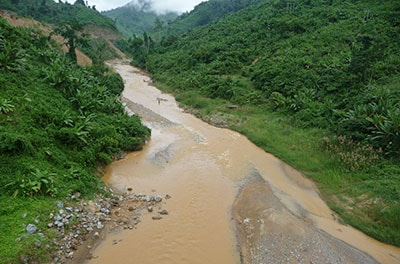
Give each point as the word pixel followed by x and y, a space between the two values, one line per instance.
pixel 137 17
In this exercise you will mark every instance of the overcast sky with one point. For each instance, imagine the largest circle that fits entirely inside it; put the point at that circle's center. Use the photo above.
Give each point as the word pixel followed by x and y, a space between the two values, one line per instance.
pixel 159 5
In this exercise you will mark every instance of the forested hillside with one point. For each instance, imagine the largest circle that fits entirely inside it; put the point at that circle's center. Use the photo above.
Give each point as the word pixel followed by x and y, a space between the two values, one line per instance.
pixel 94 29
pixel 59 123
pixel 134 20
pixel 51 12
pixel 304 58
pixel 205 13
pixel 327 65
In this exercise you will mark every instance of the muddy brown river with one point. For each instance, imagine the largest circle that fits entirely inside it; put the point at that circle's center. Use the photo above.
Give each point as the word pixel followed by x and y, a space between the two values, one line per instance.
pixel 231 202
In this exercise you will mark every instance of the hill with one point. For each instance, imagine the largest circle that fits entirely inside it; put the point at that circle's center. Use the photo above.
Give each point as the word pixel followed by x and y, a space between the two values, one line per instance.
pixel 205 13
pixel 331 66
pixel 52 12
pixel 60 123
pixel 97 31
pixel 133 19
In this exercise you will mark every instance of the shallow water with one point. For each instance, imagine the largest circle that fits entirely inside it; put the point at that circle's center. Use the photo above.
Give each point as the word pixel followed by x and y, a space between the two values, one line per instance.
pixel 201 168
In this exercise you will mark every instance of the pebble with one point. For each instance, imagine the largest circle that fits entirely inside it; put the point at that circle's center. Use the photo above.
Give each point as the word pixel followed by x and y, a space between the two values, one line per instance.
pixel 100 225
pixel 157 217
pixel 75 224
pixel 163 212
pixel 31 228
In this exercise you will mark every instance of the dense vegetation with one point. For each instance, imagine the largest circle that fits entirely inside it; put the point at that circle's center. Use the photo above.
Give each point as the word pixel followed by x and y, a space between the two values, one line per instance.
pixel 59 123
pixel 135 19
pixel 327 65
pixel 49 11
pixel 205 13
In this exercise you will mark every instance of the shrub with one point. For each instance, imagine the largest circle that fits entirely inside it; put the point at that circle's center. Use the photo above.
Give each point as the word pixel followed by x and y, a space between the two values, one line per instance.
pixel 353 155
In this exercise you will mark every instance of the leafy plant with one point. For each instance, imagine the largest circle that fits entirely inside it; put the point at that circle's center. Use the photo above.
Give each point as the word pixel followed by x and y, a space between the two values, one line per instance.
pixel 38 182
pixel 6 106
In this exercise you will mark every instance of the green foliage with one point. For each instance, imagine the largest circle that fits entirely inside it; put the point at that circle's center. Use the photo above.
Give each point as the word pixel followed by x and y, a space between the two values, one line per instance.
pixel 133 20
pixel 352 155
pixel 12 58
pixel 58 12
pixel 15 214
pixel 59 123
pixel 206 13
pixel 70 31
pixel 324 65
pixel 58 108
pixel 38 182
pixel 6 106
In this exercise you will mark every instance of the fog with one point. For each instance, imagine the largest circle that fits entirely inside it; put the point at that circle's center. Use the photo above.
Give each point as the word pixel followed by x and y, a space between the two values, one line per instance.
pixel 160 6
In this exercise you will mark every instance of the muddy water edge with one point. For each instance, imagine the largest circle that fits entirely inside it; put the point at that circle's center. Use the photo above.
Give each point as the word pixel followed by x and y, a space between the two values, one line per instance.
pixel 230 202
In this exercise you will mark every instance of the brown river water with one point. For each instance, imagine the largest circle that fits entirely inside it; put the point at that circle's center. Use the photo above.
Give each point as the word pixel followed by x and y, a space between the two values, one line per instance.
pixel 202 168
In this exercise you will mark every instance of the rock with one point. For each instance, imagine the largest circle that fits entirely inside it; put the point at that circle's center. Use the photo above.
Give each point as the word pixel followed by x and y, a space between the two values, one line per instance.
pixel 75 196
pixel 163 212
pixel 157 217
pixel 38 244
pixel 168 196
pixel 31 228
pixel 105 211
pixel 129 189
pixel 100 225
pixel 150 209
pixel 60 204
pixel 131 208
pixel 232 107
pixel 50 225
pixel 114 203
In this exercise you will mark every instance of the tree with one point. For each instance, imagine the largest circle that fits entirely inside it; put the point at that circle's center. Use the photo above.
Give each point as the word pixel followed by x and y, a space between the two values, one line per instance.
pixel 71 34
pixel 80 2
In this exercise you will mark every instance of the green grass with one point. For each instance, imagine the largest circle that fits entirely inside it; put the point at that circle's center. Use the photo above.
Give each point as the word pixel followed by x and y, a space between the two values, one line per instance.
pixel 15 215
pixel 372 192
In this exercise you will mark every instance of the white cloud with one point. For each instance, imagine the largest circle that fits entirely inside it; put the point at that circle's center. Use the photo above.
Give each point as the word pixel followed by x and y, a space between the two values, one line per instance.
pixel 158 5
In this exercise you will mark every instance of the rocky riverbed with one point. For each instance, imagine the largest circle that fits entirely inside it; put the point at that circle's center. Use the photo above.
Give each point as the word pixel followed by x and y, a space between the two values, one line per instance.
pixel 80 224
pixel 268 232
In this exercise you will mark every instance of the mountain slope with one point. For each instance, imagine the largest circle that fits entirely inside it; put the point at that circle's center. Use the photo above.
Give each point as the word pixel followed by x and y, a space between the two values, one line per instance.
pixel 206 13
pixel 59 123
pixel 96 31
pixel 55 13
pixel 330 65
pixel 135 19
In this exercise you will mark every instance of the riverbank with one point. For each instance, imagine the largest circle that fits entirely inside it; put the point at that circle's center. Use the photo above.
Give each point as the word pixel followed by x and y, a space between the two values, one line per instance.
pixel 360 197
pixel 168 152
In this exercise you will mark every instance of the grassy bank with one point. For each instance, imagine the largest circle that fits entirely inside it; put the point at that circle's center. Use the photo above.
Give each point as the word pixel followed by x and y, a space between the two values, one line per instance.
pixel 360 187
pixel 315 83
